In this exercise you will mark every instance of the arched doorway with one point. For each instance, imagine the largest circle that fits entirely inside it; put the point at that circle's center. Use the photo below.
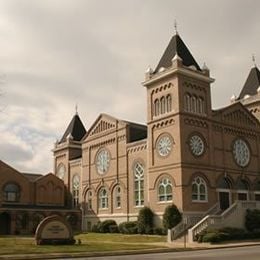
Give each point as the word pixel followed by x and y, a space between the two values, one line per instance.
pixel 224 193
pixel 5 224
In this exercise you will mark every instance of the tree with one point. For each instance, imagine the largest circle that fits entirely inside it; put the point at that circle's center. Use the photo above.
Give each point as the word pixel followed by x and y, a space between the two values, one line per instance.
pixel 145 221
pixel 171 217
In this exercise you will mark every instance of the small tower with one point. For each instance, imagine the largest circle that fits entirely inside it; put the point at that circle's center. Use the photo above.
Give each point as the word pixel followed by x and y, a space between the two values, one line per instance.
pixel 68 148
pixel 177 88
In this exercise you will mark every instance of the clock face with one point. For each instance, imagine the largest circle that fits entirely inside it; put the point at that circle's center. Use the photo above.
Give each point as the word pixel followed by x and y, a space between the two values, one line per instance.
pixel 102 161
pixel 241 152
pixel 196 145
pixel 164 145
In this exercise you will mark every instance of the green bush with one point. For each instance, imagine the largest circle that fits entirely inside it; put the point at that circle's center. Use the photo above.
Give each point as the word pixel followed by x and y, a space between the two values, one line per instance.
pixel 171 217
pixel 252 220
pixel 129 227
pixel 96 227
pixel 159 231
pixel 214 237
pixel 145 221
pixel 104 226
pixel 113 229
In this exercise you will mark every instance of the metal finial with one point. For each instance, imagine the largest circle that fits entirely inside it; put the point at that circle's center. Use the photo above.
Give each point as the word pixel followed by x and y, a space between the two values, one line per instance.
pixel 76 109
pixel 253 59
pixel 175 26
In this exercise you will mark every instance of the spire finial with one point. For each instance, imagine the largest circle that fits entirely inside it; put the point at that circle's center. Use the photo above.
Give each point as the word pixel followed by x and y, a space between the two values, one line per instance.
pixel 175 26
pixel 76 109
pixel 253 59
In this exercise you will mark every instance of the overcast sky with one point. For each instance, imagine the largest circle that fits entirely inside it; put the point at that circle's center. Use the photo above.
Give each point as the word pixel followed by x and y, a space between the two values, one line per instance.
pixel 58 53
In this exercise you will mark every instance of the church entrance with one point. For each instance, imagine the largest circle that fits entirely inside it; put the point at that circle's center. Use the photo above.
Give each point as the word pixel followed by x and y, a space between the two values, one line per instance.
pixel 5 224
pixel 224 199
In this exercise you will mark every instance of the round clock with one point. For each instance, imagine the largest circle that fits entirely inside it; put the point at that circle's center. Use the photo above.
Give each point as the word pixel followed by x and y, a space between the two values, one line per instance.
pixel 164 145
pixel 241 152
pixel 102 161
pixel 196 145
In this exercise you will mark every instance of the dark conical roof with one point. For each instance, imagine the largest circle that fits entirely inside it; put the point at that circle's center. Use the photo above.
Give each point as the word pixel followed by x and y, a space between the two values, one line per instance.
pixel 75 128
pixel 252 83
pixel 177 46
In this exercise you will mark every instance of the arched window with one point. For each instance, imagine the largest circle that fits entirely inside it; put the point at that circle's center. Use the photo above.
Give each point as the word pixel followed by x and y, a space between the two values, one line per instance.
pixel 165 190
pixel 139 184
pixel 194 104
pixel 199 190
pixel 242 189
pixel 103 198
pixel 257 190
pixel 187 103
pixel 156 107
pixel 168 103
pixel 75 190
pixel 200 106
pixel 61 171
pixel 118 197
pixel 163 105
pixel 89 200
pixel 11 192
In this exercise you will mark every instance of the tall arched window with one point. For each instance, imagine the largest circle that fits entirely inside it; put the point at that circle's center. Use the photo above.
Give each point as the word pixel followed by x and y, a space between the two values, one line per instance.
pixel 75 190
pixel 11 192
pixel 199 190
pixel 89 200
pixel 103 198
pixel 168 103
pixel 194 104
pixel 165 190
pixel 188 102
pixel 139 184
pixel 118 197
pixel 200 106
pixel 156 107
pixel 61 171
pixel 163 105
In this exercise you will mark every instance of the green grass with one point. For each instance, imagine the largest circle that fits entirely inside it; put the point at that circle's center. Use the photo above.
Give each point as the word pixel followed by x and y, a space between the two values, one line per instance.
pixel 91 242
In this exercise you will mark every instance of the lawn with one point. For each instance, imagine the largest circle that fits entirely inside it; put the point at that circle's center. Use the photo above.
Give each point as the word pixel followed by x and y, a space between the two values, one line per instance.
pixel 91 242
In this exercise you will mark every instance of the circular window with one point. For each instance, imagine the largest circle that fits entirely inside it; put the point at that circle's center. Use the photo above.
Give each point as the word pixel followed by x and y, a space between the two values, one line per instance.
pixel 102 161
pixel 196 144
pixel 241 152
pixel 164 145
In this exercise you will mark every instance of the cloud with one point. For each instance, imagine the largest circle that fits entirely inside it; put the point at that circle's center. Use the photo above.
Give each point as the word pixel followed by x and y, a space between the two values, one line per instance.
pixel 56 53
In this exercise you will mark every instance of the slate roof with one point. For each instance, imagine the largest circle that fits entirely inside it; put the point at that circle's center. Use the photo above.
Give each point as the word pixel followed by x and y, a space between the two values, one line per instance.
pixel 252 83
pixel 176 46
pixel 75 128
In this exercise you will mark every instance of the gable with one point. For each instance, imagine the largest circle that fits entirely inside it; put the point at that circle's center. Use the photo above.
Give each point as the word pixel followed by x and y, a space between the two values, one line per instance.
pixel 103 124
pixel 238 115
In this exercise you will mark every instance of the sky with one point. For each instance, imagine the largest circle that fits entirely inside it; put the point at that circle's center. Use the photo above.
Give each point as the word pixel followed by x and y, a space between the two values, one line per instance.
pixel 55 54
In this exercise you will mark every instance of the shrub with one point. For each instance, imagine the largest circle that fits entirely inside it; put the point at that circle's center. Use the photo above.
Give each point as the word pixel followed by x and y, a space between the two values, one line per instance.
pixel 113 229
pixel 159 231
pixel 96 227
pixel 252 220
pixel 129 227
pixel 214 237
pixel 104 226
pixel 171 217
pixel 145 221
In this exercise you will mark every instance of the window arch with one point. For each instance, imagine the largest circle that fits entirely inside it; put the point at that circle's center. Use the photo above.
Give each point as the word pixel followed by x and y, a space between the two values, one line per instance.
pixel 103 198
pixel 168 103
pixel 162 101
pixel 156 107
pixel 138 184
pixel 61 171
pixel 118 197
pixel 199 190
pixel 194 104
pixel 165 190
pixel 188 102
pixel 242 189
pixel 200 105
pixel 89 200
pixel 11 192
pixel 75 190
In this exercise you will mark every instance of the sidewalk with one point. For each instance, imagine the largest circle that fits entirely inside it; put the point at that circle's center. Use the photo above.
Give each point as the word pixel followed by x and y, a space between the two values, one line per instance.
pixel 166 247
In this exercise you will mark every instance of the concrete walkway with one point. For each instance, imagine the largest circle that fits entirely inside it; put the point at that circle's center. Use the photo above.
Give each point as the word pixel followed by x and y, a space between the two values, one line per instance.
pixel 166 247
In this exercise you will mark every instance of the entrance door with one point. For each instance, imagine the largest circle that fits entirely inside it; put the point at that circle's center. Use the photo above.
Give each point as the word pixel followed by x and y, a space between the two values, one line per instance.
pixel 5 222
pixel 224 200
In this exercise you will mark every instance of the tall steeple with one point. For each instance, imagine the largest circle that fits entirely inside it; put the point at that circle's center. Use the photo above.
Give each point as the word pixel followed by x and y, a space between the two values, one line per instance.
pixel 75 129
pixel 252 82
pixel 176 46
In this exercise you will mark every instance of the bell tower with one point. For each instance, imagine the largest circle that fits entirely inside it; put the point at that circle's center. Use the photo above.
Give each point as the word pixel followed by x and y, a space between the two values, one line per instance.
pixel 177 89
